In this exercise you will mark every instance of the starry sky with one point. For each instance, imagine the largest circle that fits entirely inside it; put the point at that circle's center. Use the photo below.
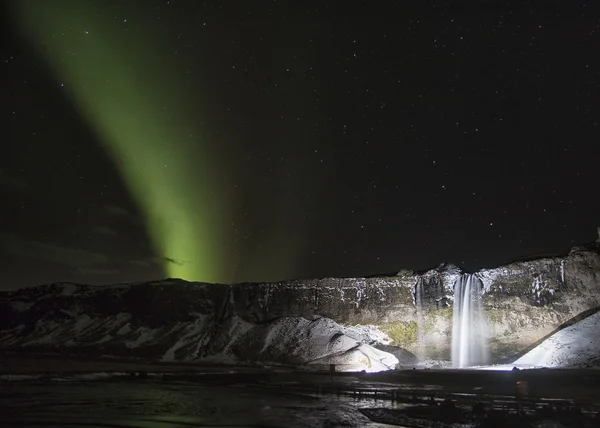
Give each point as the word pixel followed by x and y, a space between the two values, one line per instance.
pixel 231 141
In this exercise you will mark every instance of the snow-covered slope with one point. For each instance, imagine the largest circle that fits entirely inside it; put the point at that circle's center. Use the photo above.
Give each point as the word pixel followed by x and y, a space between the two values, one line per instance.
pixel 298 341
pixel 176 321
pixel 575 346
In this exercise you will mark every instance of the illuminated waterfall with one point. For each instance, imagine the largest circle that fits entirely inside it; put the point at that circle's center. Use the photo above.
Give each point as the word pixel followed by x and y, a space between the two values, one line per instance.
pixel 469 330
pixel 419 296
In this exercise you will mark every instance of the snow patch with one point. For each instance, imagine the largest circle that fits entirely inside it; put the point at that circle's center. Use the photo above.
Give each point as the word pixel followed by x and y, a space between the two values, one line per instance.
pixel 488 277
pixel 145 335
pixel 125 329
pixel 194 331
pixel 298 341
pixel 69 313
pixel 83 321
pixel 360 358
pixel 21 306
pixel 106 338
pixel 18 377
pixel 366 333
pixel 45 332
pixel 68 289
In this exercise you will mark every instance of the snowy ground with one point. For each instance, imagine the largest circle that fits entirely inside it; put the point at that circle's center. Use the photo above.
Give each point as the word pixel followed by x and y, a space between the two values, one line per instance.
pixel 574 346
pixel 297 340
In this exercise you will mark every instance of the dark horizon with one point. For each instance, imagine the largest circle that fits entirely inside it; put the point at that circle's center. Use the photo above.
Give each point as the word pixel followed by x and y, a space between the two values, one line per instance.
pixel 591 245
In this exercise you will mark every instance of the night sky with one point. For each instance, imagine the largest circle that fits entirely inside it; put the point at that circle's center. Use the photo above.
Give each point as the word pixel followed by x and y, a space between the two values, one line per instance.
pixel 231 141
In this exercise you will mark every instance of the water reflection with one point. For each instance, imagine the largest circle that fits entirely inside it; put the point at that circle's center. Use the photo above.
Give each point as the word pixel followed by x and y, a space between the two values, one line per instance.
pixel 149 405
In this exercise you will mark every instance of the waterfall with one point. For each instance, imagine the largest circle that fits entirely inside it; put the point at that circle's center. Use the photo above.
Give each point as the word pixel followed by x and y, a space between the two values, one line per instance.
pixel 469 330
pixel 419 297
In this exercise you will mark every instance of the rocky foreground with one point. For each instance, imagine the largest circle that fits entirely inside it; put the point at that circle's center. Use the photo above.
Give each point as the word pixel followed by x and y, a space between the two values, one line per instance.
pixel 354 323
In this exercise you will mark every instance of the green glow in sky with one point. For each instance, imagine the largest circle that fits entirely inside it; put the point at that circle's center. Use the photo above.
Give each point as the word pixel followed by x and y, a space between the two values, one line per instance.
pixel 118 74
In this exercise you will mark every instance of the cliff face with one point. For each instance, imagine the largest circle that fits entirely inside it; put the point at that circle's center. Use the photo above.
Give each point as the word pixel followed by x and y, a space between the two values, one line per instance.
pixel 174 319
pixel 524 302
pixel 527 301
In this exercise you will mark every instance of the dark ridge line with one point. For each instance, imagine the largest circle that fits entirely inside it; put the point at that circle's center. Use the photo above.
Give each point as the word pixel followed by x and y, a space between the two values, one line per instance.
pixel 593 246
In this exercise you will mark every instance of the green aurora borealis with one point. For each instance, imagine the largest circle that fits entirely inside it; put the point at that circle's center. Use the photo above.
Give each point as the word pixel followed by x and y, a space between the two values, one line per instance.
pixel 250 141
pixel 140 113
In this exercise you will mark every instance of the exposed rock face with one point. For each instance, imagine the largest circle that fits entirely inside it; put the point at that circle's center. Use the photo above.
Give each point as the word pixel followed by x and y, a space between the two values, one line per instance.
pixel 524 301
pixel 527 301
pixel 174 319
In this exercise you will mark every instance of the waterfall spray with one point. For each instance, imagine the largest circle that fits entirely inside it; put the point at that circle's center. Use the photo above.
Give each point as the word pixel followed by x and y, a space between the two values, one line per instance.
pixel 469 330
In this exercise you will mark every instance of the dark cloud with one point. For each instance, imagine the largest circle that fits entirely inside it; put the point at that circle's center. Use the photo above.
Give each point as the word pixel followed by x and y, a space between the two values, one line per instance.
pixel 175 262
pixel 72 257
pixel 98 271
pixel 115 211
pixel 13 182
pixel 104 230
pixel 147 262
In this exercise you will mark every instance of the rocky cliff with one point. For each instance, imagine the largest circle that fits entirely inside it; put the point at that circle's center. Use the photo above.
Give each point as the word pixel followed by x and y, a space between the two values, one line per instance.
pixel 330 320
pixel 524 302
